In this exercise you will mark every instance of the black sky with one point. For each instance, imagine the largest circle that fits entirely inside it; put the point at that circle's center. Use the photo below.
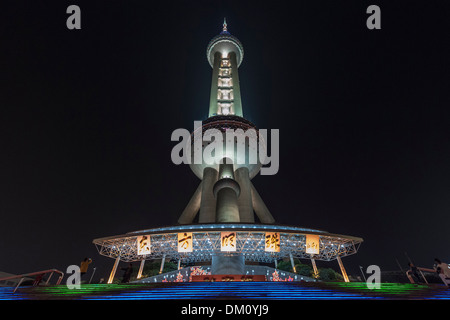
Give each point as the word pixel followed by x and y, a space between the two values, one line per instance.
pixel 86 117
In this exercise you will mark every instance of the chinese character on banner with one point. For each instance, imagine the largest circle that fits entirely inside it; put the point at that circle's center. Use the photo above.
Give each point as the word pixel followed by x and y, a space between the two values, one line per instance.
pixel 143 245
pixel 228 241
pixel 185 242
pixel 272 242
pixel 312 244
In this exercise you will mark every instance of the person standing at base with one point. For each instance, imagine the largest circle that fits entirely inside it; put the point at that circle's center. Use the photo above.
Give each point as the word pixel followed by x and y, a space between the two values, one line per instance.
pixel 413 271
pixel 443 271
pixel 84 266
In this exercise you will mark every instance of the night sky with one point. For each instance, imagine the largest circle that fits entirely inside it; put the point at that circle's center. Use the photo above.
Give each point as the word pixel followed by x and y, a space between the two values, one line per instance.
pixel 86 118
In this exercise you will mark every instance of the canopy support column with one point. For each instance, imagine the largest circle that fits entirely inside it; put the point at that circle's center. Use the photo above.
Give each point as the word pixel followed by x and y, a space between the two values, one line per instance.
pixel 162 263
pixel 114 269
pixel 341 265
pixel 141 268
pixel 316 272
pixel 292 262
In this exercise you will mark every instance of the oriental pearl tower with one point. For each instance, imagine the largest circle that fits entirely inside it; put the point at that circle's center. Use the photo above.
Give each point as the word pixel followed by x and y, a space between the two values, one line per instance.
pixel 226 222
pixel 226 193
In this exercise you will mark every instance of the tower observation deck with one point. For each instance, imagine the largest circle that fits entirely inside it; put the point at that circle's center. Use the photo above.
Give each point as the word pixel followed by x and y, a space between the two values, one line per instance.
pixel 226 222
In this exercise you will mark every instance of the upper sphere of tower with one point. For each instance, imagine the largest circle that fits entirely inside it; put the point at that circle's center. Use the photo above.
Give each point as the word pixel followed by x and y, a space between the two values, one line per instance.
pixel 225 43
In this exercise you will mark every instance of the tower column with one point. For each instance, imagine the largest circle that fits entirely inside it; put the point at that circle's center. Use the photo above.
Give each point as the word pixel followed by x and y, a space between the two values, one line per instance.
pixel 227 207
pixel 208 201
pixel 226 190
pixel 245 197
pixel 192 207
pixel 237 104
pixel 213 107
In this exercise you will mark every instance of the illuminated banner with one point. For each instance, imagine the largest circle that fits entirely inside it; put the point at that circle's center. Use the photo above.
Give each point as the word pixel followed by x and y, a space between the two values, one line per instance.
pixel 143 245
pixel 272 242
pixel 228 241
pixel 185 242
pixel 312 244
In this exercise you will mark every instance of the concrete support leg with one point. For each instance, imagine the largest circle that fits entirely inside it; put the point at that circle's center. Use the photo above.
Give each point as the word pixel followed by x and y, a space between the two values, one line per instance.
pixel 315 271
pixel 162 263
pixel 208 201
pixel 113 271
pixel 179 264
pixel 344 273
pixel 192 208
pixel 275 262
pixel 260 208
pixel 141 268
pixel 245 197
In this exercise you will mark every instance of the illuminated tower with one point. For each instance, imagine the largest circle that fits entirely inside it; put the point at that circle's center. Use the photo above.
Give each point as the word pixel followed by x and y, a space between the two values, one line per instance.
pixel 226 202
pixel 226 193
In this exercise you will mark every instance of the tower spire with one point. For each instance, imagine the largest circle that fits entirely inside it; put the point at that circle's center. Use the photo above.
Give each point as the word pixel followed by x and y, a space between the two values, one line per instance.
pixel 224 29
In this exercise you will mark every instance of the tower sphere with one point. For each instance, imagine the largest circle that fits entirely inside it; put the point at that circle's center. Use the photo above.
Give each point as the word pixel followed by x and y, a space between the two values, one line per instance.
pixel 225 43
pixel 248 136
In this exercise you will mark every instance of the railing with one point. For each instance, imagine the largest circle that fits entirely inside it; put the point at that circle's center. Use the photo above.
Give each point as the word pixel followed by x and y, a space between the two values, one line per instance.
pixel 441 275
pixel 39 276
pixel 421 270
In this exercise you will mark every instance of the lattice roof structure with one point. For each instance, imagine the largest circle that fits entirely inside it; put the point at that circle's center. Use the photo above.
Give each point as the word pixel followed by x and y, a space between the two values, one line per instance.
pixel 206 242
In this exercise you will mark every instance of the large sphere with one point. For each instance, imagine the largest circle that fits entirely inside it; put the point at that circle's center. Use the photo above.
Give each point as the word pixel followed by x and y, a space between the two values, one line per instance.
pixel 225 43
pixel 243 151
